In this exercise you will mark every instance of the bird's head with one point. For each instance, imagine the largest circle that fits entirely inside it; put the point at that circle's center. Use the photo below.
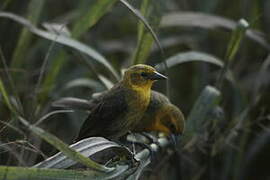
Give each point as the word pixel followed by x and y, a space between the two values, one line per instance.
pixel 141 76
pixel 173 119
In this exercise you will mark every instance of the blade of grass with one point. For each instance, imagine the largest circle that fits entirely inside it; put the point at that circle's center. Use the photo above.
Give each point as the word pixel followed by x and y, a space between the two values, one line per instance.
pixel 100 77
pixel 18 157
pixel 62 40
pixel 233 46
pixel 106 82
pixel 61 146
pixel 83 82
pixel 17 104
pixel 189 56
pixel 6 96
pixel 144 21
pixel 50 114
pixel 33 14
pixel 86 147
pixel 236 39
pixel 259 80
pixel 37 94
pixel 9 125
pixel 22 173
pixel 95 12
pixel 208 99
pixel 72 103
pixel 152 11
pixel 92 16
pixel 208 21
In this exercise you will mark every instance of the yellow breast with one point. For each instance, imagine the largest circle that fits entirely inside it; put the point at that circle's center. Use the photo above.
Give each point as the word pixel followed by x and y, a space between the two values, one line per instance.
pixel 138 102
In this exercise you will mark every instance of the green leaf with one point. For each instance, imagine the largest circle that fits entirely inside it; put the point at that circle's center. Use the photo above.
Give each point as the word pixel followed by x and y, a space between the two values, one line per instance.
pixel 233 47
pixel 145 38
pixel 86 147
pixel 209 21
pixel 236 38
pixel 46 116
pixel 92 16
pixel 72 103
pixel 208 99
pixel 5 95
pixel 106 82
pixel 62 40
pixel 25 173
pixel 34 10
pixel 189 56
pixel 61 146
pixel 95 12
pixel 83 82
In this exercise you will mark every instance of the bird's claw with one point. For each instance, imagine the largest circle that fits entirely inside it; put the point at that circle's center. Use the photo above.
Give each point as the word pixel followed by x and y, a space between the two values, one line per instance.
pixel 145 140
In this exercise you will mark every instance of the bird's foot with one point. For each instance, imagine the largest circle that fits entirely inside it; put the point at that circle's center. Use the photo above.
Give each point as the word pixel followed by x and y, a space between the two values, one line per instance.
pixel 145 140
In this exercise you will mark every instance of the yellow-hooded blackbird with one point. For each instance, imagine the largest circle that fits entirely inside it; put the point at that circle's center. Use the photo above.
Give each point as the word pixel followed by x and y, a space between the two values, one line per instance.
pixel 120 109
pixel 161 116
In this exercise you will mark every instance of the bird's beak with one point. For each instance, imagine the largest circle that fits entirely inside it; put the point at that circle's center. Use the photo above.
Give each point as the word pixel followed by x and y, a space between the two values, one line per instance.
pixel 157 76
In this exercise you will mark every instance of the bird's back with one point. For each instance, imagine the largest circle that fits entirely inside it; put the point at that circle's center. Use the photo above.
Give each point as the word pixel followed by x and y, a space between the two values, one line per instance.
pixel 107 110
pixel 157 100
pixel 161 115
pixel 114 113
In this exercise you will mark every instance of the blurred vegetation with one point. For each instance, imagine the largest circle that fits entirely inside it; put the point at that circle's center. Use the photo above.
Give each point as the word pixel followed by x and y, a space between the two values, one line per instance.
pixel 80 48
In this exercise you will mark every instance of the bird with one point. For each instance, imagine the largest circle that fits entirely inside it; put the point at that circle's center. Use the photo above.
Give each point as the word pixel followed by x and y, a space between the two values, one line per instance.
pixel 117 111
pixel 161 116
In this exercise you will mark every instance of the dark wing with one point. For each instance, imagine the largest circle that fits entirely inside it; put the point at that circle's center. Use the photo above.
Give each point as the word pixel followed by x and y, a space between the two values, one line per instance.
pixel 109 108
pixel 158 98
pixel 156 101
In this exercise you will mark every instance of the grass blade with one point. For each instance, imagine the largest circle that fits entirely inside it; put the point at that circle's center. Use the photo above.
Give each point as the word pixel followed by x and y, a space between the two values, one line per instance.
pixel 83 82
pixel 233 47
pixel 106 82
pixel 17 103
pixel 86 147
pixel 72 103
pixel 190 56
pixel 151 10
pixel 62 40
pixel 208 99
pixel 61 146
pixel 144 21
pixel 91 17
pixel 34 10
pixel 236 38
pixel 6 96
pixel 50 114
pixel 22 173
pixel 87 20
pixel 208 21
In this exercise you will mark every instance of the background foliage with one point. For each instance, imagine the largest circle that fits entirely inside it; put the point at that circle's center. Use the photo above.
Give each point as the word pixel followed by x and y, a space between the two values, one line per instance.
pixel 103 37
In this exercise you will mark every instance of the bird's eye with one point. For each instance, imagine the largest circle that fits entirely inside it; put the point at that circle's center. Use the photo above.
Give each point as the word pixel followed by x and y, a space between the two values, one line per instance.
pixel 143 74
